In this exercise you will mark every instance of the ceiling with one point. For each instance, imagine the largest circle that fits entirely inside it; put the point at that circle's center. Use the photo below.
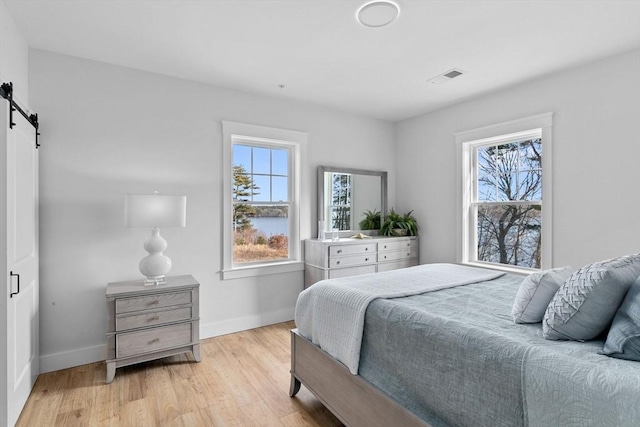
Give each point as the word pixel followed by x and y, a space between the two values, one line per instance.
pixel 320 54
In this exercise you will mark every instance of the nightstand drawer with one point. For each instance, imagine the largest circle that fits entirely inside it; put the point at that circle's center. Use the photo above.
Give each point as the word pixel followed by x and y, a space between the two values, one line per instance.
pixel 126 305
pixel 149 340
pixel 124 323
pixel 351 271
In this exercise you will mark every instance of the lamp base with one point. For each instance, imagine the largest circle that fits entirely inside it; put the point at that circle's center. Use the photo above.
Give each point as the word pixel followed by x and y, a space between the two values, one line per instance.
pixel 155 265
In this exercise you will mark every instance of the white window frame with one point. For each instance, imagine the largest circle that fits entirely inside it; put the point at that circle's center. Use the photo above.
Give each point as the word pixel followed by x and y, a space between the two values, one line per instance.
pixel 466 143
pixel 262 136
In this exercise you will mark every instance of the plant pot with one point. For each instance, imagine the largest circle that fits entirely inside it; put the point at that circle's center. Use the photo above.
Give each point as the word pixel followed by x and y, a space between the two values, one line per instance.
pixel 399 231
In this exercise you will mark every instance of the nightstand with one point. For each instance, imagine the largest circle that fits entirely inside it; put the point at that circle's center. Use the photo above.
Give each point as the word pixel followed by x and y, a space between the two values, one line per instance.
pixel 149 322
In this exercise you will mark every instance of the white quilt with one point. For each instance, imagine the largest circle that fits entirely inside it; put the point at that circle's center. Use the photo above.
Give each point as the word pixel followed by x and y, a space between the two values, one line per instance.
pixel 331 312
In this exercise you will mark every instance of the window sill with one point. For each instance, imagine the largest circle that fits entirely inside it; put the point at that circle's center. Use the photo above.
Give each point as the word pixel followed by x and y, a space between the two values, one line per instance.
pixel 524 271
pixel 261 270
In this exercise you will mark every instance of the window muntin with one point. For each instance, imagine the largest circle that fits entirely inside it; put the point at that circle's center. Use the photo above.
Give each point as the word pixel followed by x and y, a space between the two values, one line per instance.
pixel 262 200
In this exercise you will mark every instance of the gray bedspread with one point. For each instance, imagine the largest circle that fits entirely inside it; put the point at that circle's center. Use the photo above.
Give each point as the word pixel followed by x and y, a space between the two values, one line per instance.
pixel 455 358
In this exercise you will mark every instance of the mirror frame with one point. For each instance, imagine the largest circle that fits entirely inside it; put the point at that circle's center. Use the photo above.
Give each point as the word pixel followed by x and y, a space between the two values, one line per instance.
pixel 383 188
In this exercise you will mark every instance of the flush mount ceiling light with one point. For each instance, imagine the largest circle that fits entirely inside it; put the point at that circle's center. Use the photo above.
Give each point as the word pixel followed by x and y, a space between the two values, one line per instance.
pixel 378 13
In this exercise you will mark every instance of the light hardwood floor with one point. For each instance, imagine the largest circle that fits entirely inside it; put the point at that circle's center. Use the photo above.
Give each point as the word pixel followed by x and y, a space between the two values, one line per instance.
pixel 243 380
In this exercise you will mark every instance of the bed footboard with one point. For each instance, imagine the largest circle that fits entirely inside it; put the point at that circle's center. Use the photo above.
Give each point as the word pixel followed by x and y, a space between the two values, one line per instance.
pixel 353 400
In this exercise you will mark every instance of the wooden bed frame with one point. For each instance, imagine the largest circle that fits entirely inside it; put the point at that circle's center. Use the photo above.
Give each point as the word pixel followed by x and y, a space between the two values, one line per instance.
pixel 351 398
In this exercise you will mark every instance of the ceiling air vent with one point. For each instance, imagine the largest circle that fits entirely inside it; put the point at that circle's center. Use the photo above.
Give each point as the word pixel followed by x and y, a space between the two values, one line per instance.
pixel 445 77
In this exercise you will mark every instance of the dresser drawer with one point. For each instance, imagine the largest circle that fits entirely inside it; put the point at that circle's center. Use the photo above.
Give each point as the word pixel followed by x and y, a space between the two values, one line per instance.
pixel 346 261
pixel 394 265
pixel 124 323
pixel 396 246
pixel 340 250
pixel 351 271
pixel 391 256
pixel 149 340
pixel 126 305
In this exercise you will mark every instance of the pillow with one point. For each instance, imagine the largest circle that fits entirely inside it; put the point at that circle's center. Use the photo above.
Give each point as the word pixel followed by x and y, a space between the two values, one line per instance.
pixel 585 304
pixel 623 340
pixel 535 293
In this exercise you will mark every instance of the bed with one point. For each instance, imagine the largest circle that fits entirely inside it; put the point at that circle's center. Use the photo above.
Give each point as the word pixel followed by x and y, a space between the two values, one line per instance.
pixel 452 356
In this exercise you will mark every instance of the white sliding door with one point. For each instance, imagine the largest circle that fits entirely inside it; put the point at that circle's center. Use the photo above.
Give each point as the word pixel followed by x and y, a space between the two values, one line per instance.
pixel 19 300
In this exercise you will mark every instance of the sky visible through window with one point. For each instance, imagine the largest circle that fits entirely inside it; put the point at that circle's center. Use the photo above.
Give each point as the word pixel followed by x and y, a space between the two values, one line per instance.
pixel 268 169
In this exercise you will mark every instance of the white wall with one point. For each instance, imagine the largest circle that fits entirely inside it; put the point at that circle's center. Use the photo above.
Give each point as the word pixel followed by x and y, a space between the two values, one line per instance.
pixel 107 131
pixel 596 160
pixel 14 55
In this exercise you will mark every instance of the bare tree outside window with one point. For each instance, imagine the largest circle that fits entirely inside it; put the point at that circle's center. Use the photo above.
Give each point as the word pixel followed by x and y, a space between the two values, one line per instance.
pixel 508 203
pixel 341 201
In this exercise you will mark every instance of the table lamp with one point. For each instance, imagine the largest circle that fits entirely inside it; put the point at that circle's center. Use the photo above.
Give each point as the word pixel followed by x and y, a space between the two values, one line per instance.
pixel 154 210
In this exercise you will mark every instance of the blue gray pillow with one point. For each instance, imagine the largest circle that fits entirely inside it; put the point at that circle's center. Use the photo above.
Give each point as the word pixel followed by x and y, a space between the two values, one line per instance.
pixel 623 340
pixel 586 303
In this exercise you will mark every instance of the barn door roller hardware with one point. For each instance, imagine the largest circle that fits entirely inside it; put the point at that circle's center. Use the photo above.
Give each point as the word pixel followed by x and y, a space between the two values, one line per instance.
pixel 6 91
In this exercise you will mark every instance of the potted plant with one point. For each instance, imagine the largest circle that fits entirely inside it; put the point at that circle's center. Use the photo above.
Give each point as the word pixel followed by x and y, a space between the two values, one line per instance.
pixel 371 220
pixel 399 225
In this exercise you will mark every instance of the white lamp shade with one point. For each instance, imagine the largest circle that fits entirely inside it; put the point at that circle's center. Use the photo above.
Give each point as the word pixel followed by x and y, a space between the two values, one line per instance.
pixel 153 210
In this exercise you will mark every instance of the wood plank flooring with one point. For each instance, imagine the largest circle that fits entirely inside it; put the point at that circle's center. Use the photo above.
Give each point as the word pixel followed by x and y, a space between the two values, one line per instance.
pixel 243 380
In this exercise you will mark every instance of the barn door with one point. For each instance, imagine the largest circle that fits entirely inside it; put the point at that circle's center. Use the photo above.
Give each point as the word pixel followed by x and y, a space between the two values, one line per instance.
pixel 19 303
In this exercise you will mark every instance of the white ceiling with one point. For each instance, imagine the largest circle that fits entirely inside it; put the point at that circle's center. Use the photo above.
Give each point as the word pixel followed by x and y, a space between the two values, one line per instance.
pixel 317 50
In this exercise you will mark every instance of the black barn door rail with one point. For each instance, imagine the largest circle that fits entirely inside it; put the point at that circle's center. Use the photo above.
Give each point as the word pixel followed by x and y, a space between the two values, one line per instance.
pixel 6 91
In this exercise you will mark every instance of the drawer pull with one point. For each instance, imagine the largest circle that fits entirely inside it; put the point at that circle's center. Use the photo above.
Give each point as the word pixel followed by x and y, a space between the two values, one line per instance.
pixel 366 249
pixel 385 246
pixel 366 259
pixel 339 251
pixel 385 257
pixel 154 318
pixel 155 340
pixel 408 244
pixel 337 262
pixel 408 254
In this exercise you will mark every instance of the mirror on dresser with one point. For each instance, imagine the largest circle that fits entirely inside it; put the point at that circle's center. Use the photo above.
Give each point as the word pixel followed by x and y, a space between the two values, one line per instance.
pixel 344 195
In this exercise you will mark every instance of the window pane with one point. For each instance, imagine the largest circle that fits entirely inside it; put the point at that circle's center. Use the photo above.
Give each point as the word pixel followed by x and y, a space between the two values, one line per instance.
pixel 262 236
pixel 486 164
pixel 242 156
pixel 531 154
pixel 280 162
pixel 261 160
pixel 507 187
pixel 509 235
pixel 487 188
pixel 242 184
pixel 262 192
pixel 341 217
pixel 279 189
pixel 530 185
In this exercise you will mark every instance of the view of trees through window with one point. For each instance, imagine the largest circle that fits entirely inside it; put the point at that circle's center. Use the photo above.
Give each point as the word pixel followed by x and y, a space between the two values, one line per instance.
pixel 260 204
pixel 508 203
pixel 341 201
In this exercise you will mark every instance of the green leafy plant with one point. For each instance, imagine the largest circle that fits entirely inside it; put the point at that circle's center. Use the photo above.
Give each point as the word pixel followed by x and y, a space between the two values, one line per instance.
pixel 371 220
pixel 399 225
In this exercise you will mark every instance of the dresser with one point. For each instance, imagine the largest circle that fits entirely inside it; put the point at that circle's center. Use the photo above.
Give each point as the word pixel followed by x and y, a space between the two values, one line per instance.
pixel 149 322
pixel 326 259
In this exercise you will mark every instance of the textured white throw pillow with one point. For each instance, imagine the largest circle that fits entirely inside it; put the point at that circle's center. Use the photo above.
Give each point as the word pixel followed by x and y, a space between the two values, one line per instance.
pixel 535 293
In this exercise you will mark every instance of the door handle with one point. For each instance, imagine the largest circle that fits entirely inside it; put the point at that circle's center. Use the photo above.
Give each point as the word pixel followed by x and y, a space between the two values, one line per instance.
pixel 11 294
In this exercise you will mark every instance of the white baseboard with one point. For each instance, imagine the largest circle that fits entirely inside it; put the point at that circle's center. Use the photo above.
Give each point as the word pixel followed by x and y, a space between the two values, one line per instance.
pixel 82 356
pixel 71 358
pixel 238 324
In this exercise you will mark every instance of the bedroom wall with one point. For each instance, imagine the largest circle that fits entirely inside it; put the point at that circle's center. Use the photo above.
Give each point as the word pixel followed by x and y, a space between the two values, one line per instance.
pixel 109 130
pixel 14 57
pixel 596 160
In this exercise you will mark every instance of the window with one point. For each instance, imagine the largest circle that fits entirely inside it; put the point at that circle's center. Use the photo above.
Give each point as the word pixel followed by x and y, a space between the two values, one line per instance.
pixel 261 210
pixel 504 217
